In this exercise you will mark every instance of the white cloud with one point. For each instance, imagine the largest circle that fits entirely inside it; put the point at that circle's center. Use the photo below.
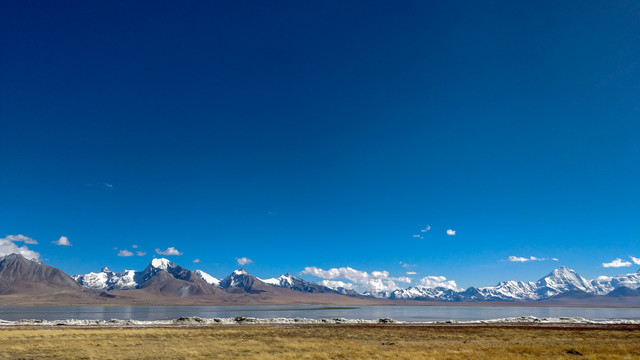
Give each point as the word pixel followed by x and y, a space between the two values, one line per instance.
pixel 110 186
pixel 404 279
pixel 530 258
pixel 418 236
pixel 134 246
pixel 334 284
pixel 243 261
pixel 141 253
pixel 518 259
pixel 438 281
pixel 21 238
pixel 7 246
pixel 63 241
pixel 617 263
pixel 170 251
pixel 411 273
pixel 375 281
pixel 405 265
pixel 451 232
pixel 196 260
pixel 125 253
pixel 426 229
pixel 635 260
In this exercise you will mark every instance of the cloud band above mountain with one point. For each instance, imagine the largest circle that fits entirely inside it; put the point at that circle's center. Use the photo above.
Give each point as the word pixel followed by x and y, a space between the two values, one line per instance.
pixel 8 246
pixel 530 258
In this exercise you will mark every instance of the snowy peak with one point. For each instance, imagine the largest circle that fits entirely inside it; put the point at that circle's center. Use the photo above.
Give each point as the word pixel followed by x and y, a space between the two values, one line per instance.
pixel 162 264
pixel 242 271
pixel 421 293
pixel 109 280
pixel 289 281
pixel 239 279
pixel 235 278
pixel 561 280
pixel 606 284
pixel 158 265
pixel 207 278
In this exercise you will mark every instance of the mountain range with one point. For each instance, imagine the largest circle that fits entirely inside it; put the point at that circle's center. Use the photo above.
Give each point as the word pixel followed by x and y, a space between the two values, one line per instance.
pixel 164 282
pixel 560 282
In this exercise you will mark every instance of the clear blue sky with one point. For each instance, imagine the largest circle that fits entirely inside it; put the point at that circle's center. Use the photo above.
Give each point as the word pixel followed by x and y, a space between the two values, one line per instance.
pixel 324 134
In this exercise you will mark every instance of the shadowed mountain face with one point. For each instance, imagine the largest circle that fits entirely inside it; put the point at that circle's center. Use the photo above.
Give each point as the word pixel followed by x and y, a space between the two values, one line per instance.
pixel 241 281
pixel 167 284
pixel 17 275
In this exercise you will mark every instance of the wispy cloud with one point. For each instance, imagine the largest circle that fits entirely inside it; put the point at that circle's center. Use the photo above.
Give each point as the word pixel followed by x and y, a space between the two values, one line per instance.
pixel 7 246
pixel 418 236
pixel 125 252
pixel 63 241
pixel 134 246
pixel 21 238
pixel 405 265
pixel 451 232
pixel 635 260
pixel 243 261
pixel 196 260
pixel 98 185
pixel 438 281
pixel 427 228
pixel 411 273
pixel 170 251
pixel 530 258
pixel 141 253
pixel 617 263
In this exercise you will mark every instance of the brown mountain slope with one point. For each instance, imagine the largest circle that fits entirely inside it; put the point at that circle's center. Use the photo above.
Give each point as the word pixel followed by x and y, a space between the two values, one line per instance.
pixel 18 275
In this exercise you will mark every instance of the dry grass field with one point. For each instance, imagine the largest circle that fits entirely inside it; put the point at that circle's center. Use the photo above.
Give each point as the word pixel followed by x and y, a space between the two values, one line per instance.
pixel 322 342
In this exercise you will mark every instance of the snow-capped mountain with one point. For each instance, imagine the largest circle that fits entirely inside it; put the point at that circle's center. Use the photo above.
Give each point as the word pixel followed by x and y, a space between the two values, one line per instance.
pixel 606 284
pixel 158 265
pixel 559 281
pixel 424 293
pixel 562 280
pixel 130 279
pixel 289 281
pixel 241 281
pixel 208 278
pixel 109 280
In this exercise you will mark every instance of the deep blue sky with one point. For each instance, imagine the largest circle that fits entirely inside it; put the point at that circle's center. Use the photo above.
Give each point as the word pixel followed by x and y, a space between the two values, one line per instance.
pixel 324 134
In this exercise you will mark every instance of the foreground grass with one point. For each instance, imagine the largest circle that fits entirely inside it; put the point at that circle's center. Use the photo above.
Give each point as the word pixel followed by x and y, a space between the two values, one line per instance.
pixel 321 342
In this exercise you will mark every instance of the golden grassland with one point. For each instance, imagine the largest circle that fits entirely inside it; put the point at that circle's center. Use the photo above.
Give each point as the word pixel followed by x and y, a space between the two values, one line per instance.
pixel 322 342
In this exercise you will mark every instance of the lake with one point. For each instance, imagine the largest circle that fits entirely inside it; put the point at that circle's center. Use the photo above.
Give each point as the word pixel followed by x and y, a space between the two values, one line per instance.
pixel 402 313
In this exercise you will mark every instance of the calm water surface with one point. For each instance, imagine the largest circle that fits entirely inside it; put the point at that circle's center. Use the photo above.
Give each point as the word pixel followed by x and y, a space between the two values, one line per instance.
pixel 403 313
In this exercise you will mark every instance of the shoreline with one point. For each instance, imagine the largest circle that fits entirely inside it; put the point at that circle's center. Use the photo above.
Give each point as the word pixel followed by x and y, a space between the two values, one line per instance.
pixel 392 303
pixel 196 322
